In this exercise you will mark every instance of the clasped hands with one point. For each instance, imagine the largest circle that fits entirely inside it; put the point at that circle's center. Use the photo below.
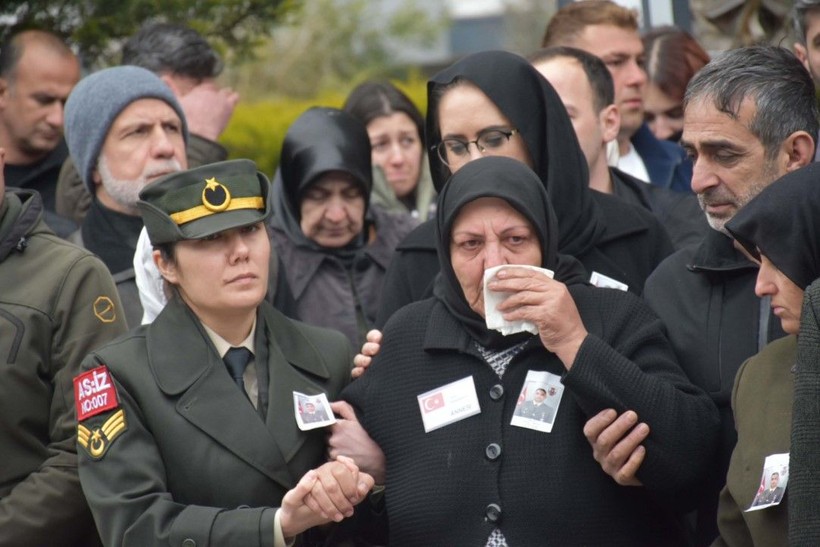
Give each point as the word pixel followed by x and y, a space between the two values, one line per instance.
pixel 328 493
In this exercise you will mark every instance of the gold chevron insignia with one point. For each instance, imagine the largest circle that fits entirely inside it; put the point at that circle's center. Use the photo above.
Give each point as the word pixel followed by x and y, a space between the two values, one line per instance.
pixel 96 441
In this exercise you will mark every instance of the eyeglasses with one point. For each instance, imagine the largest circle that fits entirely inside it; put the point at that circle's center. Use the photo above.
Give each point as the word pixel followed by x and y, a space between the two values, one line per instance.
pixel 454 152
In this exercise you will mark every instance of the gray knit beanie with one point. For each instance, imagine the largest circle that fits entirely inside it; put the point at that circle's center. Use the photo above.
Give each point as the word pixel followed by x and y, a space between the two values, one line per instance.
pixel 95 103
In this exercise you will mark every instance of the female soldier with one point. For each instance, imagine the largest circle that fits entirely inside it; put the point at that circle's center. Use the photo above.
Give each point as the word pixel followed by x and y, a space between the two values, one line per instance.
pixel 187 431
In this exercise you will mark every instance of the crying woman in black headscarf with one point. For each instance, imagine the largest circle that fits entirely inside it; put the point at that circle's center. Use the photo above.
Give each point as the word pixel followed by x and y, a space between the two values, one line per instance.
pixel 447 399
pixel 335 247
pixel 495 103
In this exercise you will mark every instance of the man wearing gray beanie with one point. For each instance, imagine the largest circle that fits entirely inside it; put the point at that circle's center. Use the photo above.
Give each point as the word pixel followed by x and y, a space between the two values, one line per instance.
pixel 187 63
pixel 124 129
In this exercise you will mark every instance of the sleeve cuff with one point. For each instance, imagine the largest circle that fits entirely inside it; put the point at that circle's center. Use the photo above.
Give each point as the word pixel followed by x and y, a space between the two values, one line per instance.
pixel 278 536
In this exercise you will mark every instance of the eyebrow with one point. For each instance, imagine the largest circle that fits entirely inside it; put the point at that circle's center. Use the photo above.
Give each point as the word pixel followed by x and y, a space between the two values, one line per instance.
pixel 711 145
pixel 496 127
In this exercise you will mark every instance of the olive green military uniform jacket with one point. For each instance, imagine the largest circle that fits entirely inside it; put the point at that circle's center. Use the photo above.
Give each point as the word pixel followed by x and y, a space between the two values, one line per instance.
pixel 184 459
pixel 57 303
pixel 762 403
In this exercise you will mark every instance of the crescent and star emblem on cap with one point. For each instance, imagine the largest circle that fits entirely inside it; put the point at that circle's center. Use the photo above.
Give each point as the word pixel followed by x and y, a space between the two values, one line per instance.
pixel 215 196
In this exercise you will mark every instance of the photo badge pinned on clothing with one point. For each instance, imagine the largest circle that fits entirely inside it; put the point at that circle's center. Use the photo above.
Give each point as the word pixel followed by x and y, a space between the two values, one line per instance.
pixel 772 483
pixel 94 394
pixel 312 411
pixel 538 401
pixel 448 404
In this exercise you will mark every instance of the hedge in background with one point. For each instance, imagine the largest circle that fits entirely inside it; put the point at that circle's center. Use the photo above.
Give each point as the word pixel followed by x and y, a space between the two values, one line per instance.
pixel 257 130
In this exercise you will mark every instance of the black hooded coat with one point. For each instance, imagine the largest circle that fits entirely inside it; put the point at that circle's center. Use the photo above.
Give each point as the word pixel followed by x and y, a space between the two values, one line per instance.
pixel 457 484
pixel 336 288
pixel 605 234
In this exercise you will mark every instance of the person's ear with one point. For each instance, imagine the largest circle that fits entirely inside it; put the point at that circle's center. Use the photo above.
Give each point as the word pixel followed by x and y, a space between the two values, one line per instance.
pixel 798 150
pixel 802 54
pixel 171 82
pixel 4 92
pixel 167 269
pixel 610 120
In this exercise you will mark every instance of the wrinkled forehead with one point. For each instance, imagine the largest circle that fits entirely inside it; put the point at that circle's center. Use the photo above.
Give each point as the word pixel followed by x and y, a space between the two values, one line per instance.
pixel 705 123
pixel 488 211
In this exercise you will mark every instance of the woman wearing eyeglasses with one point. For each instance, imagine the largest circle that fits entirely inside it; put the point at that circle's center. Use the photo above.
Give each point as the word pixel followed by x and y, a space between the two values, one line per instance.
pixel 496 103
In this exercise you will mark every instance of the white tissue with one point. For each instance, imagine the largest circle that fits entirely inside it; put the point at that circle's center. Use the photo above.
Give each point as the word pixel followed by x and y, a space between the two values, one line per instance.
pixel 492 299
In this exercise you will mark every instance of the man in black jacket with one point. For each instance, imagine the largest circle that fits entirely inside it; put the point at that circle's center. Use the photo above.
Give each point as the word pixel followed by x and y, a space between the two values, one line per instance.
pixel 611 32
pixel 587 91
pixel 750 117
pixel 37 72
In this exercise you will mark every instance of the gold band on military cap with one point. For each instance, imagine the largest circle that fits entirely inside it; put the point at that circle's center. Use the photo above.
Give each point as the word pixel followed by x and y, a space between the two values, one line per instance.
pixel 201 211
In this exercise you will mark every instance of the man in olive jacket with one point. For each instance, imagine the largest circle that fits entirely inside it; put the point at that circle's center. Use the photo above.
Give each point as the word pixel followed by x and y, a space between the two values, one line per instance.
pixel 57 303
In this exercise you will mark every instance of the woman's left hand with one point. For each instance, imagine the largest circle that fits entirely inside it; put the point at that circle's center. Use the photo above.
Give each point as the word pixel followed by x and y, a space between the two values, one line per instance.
pixel 348 437
pixel 546 303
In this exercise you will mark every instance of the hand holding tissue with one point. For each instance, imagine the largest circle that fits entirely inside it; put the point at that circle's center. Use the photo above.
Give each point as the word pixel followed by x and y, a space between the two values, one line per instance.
pixel 492 298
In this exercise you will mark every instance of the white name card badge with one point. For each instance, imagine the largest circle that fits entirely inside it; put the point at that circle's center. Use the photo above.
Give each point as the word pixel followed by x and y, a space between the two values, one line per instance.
pixel 448 404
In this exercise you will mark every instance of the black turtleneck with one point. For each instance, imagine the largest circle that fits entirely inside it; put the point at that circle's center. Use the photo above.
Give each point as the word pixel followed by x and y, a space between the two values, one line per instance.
pixel 111 235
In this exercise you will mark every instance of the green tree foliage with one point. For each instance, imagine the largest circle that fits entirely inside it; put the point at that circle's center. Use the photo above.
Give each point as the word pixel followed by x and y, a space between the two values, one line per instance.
pixel 331 44
pixel 96 26
pixel 283 56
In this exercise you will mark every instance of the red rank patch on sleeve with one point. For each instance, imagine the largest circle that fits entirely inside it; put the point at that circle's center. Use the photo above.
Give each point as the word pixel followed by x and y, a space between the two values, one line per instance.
pixel 94 393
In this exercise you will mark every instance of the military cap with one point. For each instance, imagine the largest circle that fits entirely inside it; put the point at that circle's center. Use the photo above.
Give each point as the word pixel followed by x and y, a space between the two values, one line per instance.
pixel 200 202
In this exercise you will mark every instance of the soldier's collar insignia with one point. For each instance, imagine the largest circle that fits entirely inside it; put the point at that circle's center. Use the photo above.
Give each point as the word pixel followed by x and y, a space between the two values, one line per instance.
pixel 215 196
pixel 97 440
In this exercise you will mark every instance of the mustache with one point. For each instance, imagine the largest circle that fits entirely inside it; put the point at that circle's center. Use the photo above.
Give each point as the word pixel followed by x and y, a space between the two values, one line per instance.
pixel 162 167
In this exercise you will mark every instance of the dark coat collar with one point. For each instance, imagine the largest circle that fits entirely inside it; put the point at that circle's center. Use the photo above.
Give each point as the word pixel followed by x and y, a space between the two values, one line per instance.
pixel 177 327
pixel 213 404
pixel 308 261
pixel 622 218
pixel 716 253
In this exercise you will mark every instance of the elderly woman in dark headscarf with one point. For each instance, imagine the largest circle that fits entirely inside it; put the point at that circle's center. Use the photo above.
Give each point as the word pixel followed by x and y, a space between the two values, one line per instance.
pixel 444 397
pixel 334 245
pixel 780 228
pixel 511 110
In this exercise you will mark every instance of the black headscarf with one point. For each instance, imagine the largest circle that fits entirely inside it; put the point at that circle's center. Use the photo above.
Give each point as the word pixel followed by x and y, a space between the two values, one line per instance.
pixel 320 140
pixel 536 110
pixel 783 221
pixel 515 183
